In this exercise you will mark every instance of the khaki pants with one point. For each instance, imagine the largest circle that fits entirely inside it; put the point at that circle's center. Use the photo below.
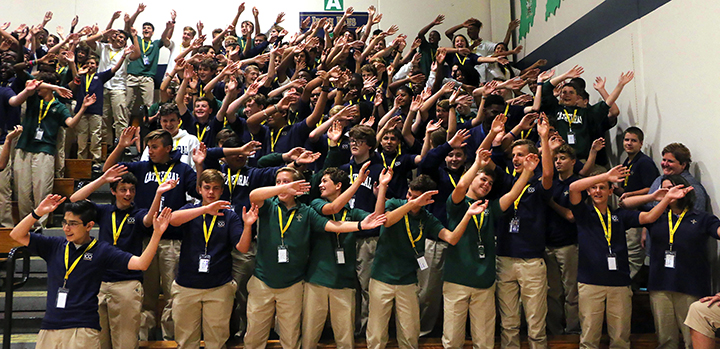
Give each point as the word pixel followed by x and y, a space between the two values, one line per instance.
pixel 562 265
pixel 162 272
pixel 243 266
pixel 407 314
pixel 703 318
pixel 613 301
pixel 202 311
pixel 71 338
pixel 115 115
pixel 317 301
pixel 636 253
pixel 34 174
pixel 89 128
pixel 522 280
pixel 480 302
pixel 6 191
pixel 119 305
pixel 140 91
pixel 263 302
pixel 365 255
pixel 669 311
pixel 430 284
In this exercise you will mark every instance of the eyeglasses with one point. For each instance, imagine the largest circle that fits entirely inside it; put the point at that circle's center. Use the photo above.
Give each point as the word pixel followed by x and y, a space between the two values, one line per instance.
pixel 357 141
pixel 71 224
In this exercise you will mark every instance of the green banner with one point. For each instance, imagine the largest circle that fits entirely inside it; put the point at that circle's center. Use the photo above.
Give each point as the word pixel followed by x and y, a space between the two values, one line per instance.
pixel 333 5
pixel 527 16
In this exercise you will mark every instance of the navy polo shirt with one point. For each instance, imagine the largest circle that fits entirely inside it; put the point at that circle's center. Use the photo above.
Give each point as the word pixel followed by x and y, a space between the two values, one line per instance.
pixel 10 115
pixel 95 87
pixel 402 165
pixel 241 130
pixel 225 235
pixel 208 131
pixel 364 197
pixel 433 165
pixel 81 307
pixel 561 232
pixel 291 136
pixel 130 239
pixel 593 247
pixel 642 173
pixel 691 274
pixel 529 242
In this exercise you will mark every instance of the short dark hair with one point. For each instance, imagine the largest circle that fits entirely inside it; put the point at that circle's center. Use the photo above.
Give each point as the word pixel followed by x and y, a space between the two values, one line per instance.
pixel 232 142
pixel 83 209
pixel 128 178
pixel 365 133
pixel 680 152
pixel 636 131
pixel 48 77
pixel 150 24
pixel 530 145
pixel 168 109
pixel 494 100
pixel 422 183
pixel 567 150
pixel 163 135
pixel 208 63
pixel 337 175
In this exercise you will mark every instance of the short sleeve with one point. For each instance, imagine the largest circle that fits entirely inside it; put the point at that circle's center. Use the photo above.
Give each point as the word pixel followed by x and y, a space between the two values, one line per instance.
pixel 318 204
pixel 43 245
pixel 317 222
pixel 433 226
pixel 116 259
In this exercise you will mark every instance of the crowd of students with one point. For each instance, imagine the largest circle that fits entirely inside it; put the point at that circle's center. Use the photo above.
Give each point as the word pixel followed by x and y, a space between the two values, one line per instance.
pixel 282 178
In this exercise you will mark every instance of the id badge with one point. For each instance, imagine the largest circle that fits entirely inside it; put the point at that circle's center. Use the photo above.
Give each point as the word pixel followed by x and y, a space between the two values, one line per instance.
pixel 515 225
pixel 283 256
pixel 422 262
pixel 204 263
pixel 670 259
pixel 571 137
pixel 481 250
pixel 62 298
pixel 39 133
pixel 612 261
pixel 146 60
pixel 340 256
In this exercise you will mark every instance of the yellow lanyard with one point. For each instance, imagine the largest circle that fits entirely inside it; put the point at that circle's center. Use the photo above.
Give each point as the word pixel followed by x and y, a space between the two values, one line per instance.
pixel 243 44
pixel 88 81
pixel 117 230
pixel 284 229
pixel 67 258
pixel 517 201
pixel 112 55
pixel 606 227
pixel 179 126
pixel 232 184
pixel 479 225
pixel 341 220
pixel 145 48
pixel 207 231
pixel 507 107
pixel 672 228
pixel 274 139
pixel 42 115
pixel 352 180
pixel 201 89
pixel 525 134
pixel 392 164
pixel 60 70
pixel 570 120
pixel 200 135
pixel 157 175
pixel 407 227
pixel 452 180
pixel 462 61
pixel 628 176
pixel 507 170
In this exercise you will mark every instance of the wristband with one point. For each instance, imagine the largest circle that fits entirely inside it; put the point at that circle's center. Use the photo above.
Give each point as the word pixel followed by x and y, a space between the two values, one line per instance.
pixel 35 215
pixel 360 226
pixel 295 164
pixel 325 88
pixel 265 113
pixel 276 108
pixel 540 83
pixel 514 136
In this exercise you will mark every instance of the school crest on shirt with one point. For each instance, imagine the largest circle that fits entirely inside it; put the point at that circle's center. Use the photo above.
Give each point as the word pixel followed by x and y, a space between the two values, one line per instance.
pixel 221 224
pixel 531 190
pixel 693 221
pixel 88 256
pixel 397 163
pixel 614 218
pixel 131 220
pixel 299 217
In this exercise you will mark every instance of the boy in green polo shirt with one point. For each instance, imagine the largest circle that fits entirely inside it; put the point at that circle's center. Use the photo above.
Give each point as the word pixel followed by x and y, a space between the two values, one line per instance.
pixel 400 251
pixel 34 162
pixel 283 248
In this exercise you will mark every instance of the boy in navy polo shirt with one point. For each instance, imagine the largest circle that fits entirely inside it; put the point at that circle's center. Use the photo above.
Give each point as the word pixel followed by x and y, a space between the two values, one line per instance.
pixel 76 265
pixel 642 174
pixel 200 122
pixel 603 271
pixel 87 81
pixel 204 288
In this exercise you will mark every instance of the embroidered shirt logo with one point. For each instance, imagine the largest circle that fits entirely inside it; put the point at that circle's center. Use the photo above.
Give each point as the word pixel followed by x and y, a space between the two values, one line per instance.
pixel 88 256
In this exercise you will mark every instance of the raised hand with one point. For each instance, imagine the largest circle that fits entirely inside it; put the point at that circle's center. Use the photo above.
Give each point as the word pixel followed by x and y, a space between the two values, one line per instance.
pixel 250 216
pixel 363 173
pixel 424 199
pixel 598 144
pixel 250 148
pixel 458 140
pixel 307 157
pixel 167 186
pixel 498 124
pixel 216 207
pixel 556 141
pixel 280 18
pixel 433 126
pixel 599 83
pixel 372 221
pixel 625 78
pixel 14 133
pixel 546 75
pixel 678 192
pixel 482 157
pixel 439 20
pixel 89 100
pixel 49 204
pixel 528 121
pixel 199 153
pixel 115 173
pixel 617 174
pixel 385 176
pixel 575 72
pixel 530 163
pixel 161 222
pixel 255 12
pixel 128 137
pixel 335 131
pixel 543 126
pixel 477 207
pixel 296 188
pixel 417 102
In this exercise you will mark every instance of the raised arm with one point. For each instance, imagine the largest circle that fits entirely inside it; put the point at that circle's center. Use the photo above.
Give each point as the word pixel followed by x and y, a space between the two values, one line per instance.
pixel 155 206
pixel 382 187
pixel 624 79
pixel 128 137
pixel 574 72
pixel 616 175
pixel 249 218
pixel 259 195
pixel 130 20
pixel 21 232
pixel 548 169
pixel 337 205
pixel 452 237
pixel 160 224
pixel 5 153
pixel 113 174
pixel 397 214
pixel 529 165
pixel 87 101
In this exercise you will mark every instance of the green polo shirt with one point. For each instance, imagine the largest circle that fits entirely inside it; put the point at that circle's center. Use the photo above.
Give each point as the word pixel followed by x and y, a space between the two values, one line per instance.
pixel 149 52
pixel 323 268
pixel 395 258
pixel 51 123
pixel 304 222
pixel 463 265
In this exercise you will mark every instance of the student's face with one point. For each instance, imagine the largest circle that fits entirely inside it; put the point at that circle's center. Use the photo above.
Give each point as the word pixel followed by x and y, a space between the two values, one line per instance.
pixel 91 65
pixel 251 107
pixel 670 165
pixel 404 98
pixel 147 31
pixel 276 119
pixel 380 45
pixel 569 97
pixel 202 109
pixel 170 123
pixel 156 151
pixel 283 177
pixel 518 157
pixel 413 194
pixel 204 73
pixel 631 143
pixel 250 76
pixel 259 40
pixel 459 42
pixel 599 192
pixel 390 142
pixel 434 37
pixel 74 229
pixel 457 74
pixel 482 185
pixel 80 56
pixel 359 147
pixel 473 31
pixel 51 41
pixel 315 95
pixel 500 48
pixel 187 36
pixel 455 159
pixel 210 192
pixel 492 111
pixel 246 27
pixel 124 194
pixel 118 40
pixel 563 162
pixel 236 162
pixel 328 188
pixel 442 114
pixel 367 75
